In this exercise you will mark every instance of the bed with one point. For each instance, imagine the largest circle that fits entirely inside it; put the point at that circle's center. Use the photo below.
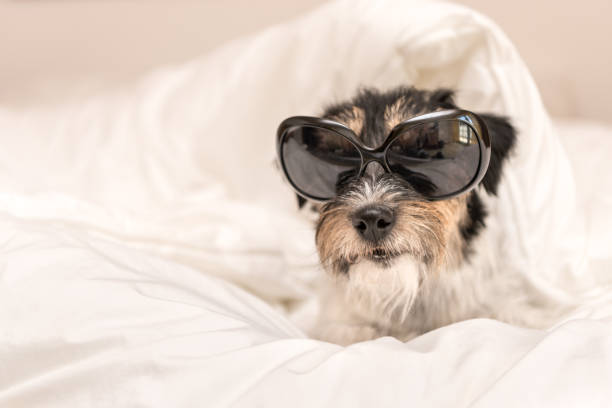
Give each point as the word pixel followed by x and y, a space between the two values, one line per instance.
pixel 151 255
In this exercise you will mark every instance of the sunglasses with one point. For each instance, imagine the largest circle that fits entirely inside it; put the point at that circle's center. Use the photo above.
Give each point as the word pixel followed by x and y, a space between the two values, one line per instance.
pixel 441 154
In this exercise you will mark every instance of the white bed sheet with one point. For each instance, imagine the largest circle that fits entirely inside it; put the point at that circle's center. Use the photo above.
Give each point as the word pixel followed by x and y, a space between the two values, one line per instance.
pixel 128 221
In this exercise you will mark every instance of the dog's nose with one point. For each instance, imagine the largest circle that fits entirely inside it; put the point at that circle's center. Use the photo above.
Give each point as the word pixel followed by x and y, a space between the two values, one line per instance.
pixel 373 223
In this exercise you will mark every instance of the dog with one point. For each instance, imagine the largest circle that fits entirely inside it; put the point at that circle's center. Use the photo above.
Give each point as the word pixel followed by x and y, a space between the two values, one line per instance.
pixel 397 262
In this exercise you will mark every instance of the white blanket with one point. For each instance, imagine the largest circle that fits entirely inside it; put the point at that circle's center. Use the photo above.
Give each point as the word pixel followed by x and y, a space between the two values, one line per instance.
pixel 128 221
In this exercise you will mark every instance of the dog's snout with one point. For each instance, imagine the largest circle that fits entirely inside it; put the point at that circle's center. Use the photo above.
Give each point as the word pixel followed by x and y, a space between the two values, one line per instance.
pixel 373 223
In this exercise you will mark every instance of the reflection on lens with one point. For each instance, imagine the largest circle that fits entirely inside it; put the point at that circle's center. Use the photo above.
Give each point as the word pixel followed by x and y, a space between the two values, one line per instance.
pixel 319 161
pixel 437 158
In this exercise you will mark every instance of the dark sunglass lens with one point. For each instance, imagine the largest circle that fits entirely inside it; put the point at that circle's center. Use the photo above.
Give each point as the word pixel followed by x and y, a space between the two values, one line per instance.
pixel 437 158
pixel 319 161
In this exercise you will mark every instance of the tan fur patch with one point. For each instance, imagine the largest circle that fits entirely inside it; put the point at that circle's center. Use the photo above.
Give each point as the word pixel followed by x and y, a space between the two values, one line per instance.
pixel 394 114
pixel 353 118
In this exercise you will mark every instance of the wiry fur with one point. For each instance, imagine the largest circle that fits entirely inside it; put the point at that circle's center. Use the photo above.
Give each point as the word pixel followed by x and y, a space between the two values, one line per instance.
pixel 429 231
pixel 434 273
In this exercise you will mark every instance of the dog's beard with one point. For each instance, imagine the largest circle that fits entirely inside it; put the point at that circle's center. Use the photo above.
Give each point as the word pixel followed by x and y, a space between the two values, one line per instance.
pixel 386 290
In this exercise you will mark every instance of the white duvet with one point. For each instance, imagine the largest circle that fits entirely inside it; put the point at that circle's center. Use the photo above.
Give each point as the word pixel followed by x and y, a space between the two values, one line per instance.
pixel 151 256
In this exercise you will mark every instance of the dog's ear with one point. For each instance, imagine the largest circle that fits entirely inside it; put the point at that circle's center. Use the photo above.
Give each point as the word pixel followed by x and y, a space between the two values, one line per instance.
pixel 444 98
pixel 503 139
pixel 301 201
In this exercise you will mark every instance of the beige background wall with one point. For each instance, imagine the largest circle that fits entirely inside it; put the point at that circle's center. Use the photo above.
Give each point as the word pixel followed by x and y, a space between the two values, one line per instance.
pixel 567 46
pixel 47 47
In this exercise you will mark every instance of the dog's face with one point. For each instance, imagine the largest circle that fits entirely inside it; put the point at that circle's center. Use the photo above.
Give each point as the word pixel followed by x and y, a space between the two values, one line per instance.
pixel 380 220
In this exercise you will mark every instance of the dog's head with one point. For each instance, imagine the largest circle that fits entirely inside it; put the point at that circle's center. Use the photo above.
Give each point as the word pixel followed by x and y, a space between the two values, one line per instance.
pixel 380 218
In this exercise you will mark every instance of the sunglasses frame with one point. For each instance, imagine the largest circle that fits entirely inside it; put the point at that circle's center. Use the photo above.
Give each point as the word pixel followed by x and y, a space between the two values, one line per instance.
pixel 379 154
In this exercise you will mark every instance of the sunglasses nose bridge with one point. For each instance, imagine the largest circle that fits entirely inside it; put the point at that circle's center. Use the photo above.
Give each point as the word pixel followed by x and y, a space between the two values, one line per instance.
pixel 373 163
pixel 373 168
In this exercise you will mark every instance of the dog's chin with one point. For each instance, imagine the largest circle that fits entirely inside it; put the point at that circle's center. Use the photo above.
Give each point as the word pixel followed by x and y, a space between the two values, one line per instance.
pixel 386 286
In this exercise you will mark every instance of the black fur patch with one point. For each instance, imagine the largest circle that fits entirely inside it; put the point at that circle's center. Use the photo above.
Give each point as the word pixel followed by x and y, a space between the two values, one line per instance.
pixel 503 139
pixel 342 266
pixel 301 200
pixel 444 97
pixel 475 222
